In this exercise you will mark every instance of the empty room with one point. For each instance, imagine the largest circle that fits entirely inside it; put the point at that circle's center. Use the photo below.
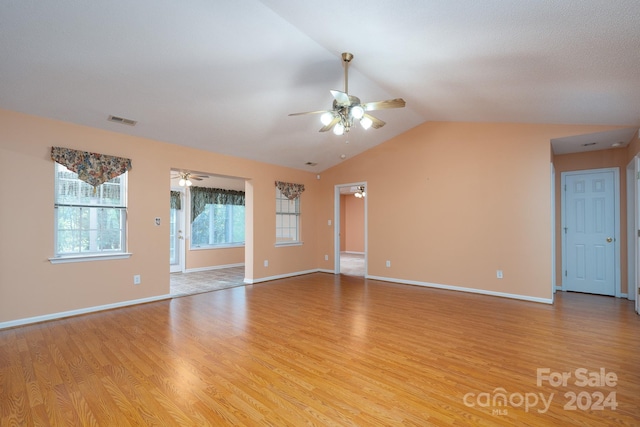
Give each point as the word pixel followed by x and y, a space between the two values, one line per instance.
pixel 331 214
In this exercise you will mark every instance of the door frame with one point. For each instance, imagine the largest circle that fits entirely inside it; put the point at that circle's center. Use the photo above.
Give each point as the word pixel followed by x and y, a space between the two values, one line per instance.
pixel 616 226
pixel 337 226
pixel 181 248
pixel 633 231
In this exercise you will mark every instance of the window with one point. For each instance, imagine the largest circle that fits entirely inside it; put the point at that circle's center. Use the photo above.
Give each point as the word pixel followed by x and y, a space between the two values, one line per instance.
pixel 287 219
pixel 218 224
pixel 89 221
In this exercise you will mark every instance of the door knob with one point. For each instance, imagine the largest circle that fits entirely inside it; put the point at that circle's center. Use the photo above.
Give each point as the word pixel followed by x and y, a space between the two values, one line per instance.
pixel 609 239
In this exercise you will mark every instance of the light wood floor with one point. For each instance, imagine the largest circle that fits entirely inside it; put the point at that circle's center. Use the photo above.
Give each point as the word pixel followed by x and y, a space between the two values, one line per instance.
pixel 322 350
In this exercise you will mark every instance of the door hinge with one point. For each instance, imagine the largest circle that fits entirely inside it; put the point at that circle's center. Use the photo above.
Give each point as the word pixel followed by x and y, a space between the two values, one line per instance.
pixel 565 186
pixel 565 273
pixel 566 228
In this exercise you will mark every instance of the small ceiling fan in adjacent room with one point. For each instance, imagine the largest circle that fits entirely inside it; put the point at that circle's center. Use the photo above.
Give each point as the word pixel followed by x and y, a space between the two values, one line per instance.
pixel 187 178
pixel 347 109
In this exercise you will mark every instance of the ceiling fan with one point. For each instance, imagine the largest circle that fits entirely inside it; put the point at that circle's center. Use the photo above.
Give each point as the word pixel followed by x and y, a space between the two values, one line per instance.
pixel 347 108
pixel 187 177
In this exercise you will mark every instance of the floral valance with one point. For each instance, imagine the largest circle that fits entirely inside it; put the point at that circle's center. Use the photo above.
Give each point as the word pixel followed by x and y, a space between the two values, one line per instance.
pixel 176 202
pixel 203 196
pixel 289 190
pixel 92 168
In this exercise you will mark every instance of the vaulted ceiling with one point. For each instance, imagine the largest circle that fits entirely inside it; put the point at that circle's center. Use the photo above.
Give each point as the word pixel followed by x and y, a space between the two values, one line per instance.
pixel 224 75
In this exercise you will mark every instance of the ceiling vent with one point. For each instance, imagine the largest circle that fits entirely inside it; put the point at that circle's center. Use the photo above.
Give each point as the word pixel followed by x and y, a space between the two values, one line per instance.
pixel 122 120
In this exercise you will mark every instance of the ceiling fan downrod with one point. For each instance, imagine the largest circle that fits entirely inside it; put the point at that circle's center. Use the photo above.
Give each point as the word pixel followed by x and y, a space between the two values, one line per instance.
pixel 346 58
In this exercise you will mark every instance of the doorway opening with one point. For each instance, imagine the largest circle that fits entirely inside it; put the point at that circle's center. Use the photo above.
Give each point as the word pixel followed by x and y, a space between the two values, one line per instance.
pixel 351 229
pixel 206 236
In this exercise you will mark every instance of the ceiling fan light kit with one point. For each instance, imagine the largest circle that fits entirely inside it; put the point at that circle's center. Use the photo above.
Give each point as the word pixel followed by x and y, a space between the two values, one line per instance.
pixel 186 178
pixel 348 109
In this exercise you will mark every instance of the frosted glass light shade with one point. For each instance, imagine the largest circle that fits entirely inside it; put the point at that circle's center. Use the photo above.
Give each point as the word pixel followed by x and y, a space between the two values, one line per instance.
pixel 326 118
pixel 338 129
pixel 357 112
pixel 366 122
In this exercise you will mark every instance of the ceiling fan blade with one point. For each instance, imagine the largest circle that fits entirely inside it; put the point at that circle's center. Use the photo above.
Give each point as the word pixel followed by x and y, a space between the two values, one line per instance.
pixel 341 97
pixel 330 125
pixel 375 122
pixel 310 112
pixel 383 105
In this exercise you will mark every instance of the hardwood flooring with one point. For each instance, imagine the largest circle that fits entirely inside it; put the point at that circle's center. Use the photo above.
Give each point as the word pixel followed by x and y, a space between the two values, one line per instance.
pixel 328 350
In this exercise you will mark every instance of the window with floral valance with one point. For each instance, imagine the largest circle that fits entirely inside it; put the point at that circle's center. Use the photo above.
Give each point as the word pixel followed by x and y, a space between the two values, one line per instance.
pixel 203 196
pixel 288 212
pixel 90 205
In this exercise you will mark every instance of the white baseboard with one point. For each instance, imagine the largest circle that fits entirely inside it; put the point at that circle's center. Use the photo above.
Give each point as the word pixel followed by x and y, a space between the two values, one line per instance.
pixel 213 267
pixel 463 289
pixel 63 314
pixel 279 276
pixel 352 252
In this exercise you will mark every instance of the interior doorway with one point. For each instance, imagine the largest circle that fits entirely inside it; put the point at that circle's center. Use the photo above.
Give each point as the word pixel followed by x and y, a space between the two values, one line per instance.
pixel 351 229
pixel 207 241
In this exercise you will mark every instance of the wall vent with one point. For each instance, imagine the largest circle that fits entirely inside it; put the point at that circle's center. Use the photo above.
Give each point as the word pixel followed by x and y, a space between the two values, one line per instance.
pixel 311 164
pixel 122 120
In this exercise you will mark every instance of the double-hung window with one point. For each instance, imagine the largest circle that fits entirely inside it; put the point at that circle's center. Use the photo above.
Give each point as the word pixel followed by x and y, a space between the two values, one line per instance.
pixel 217 217
pixel 218 225
pixel 287 219
pixel 89 221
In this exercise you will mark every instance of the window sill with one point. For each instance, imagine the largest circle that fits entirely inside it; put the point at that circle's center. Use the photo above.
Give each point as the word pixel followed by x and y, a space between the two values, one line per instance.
pixel 289 244
pixel 225 246
pixel 85 258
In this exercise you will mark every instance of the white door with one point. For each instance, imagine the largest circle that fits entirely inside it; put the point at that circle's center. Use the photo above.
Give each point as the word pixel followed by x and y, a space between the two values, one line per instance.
pixel 590 232
pixel 176 237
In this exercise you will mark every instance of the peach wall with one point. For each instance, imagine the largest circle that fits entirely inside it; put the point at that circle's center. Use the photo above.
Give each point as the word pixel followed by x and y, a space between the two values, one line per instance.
pixel 451 203
pixel 353 224
pixel 613 158
pixel 213 257
pixel 31 286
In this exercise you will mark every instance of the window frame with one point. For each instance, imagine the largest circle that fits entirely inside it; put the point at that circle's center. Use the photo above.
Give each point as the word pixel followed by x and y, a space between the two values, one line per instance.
pixel 281 215
pixel 228 231
pixel 80 256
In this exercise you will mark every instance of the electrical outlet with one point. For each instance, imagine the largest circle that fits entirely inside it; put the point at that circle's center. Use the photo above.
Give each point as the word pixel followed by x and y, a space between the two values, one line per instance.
pixel 388 264
pixel 266 263
pixel 326 257
pixel 499 274
pixel 136 279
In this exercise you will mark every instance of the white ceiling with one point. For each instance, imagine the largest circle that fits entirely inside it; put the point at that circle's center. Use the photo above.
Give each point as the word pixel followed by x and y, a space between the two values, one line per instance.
pixel 224 75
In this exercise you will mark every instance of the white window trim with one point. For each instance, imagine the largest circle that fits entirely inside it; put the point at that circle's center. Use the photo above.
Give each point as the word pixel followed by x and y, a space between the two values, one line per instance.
pixel 220 246
pixel 298 215
pixel 297 243
pixel 71 258
pixel 84 258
